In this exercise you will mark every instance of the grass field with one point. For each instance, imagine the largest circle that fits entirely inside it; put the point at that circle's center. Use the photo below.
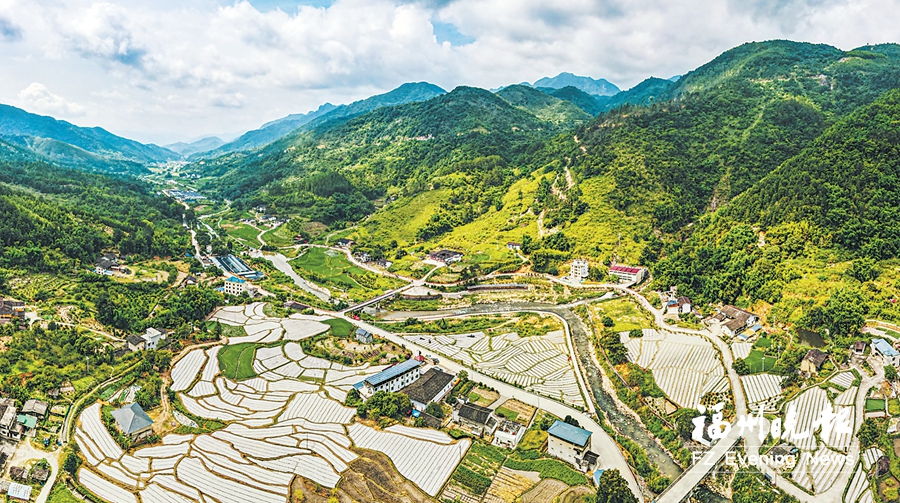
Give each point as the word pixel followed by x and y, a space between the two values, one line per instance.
pixel 506 413
pixel 874 405
pixel 757 364
pixel 236 361
pixel 624 311
pixel 763 342
pixel 894 407
pixel 340 328
pixel 61 494
pixel 279 236
pixel 332 270
pixel 243 233
pixel 533 440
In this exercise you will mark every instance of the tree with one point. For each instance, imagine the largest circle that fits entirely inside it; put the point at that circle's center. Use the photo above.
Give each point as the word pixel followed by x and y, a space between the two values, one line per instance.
pixel 684 425
pixel 72 462
pixel 868 432
pixel 890 373
pixel 635 333
pixel 615 350
pixel 463 376
pixel 612 488
pixel 740 366
pixel 435 410
pixel 571 420
pixel 607 321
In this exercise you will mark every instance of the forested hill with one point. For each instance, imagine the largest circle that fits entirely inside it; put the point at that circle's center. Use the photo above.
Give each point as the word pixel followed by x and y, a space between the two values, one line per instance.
pixel 52 219
pixel 391 150
pixel 730 123
pixel 60 141
pixel 410 92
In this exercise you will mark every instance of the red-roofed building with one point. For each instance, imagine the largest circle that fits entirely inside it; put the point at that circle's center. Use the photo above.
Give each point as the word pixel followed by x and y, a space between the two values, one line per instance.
pixel 628 274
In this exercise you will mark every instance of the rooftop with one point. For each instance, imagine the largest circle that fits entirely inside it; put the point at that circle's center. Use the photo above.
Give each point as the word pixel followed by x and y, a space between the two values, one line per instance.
pixel 28 421
pixel 132 418
pixel 475 413
pixel 883 347
pixel 624 268
pixel 392 372
pixel 427 388
pixel 19 491
pixel 232 279
pixel 569 433
pixel 815 357
pixel 35 407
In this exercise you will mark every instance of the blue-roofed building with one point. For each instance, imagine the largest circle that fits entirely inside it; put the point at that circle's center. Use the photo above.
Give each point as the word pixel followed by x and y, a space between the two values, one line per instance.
pixel 392 379
pixel 571 444
pixel 889 355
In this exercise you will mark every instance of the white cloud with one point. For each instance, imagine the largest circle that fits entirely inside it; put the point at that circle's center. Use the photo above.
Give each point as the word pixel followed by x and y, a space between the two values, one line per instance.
pixel 36 96
pixel 188 67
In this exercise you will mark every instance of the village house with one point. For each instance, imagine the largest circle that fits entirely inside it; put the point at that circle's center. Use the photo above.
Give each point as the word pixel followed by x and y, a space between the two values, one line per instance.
pixel 580 269
pixel 508 434
pixel 384 263
pixel 858 350
pixel 446 256
pixel 571 444
pixel 191 281
pixel 433 386
pixel 237 286
pixel 134 342
pixel 889 355
pixel 812 362
pixel 344 243
pixel 18 473
pixel 27 423
pixel 35 408
pixel 149 340
pixel 628 274
pixel 133 421
pixel 108 264
pixel 678 306
pixel 478 419
pixel 363 257
pixel 10 309
pixel 9 425
pixel 363 336
pixel 391 379
pixel 734 320
pixel 514 246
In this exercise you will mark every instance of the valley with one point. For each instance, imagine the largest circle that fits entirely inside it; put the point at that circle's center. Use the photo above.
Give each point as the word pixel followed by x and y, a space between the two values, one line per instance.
pixel 509 295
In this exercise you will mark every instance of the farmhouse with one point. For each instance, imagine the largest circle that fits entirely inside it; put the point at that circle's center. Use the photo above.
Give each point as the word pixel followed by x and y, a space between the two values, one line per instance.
pixel 508 434
pixel 571 444
pixel 363 336
pixel 35 408
pixel 580 269
pixel 363 257
pixel 446 256
pixel 392 379
pixel 384 263
pixel 431 387
pixel 11 309
pixel 148 340
pixel 134 342
pixel 889 355
pixel 479 419
pixel 9 426
pixel 813 361
pixel 18 491
pixel 108 264
pixel 237 286
pixel 628 274
pixel 133 421
pixel 514 246
pixel 734 320
pixel 680 305
pixel 344 243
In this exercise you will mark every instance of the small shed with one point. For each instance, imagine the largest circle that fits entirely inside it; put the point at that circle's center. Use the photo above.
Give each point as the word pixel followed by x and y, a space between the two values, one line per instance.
pixel 133 421
pixel 19 492
pixel 363 336
pixel 882 466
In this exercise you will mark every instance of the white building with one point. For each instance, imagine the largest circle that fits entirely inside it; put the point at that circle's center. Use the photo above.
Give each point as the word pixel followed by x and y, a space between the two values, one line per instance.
pixel 508 434
pixel 580 269
pixel 889 355
pixel 571 444
pixel 681 305
pixel 628 274
pixel 152 337
pixel 391 379
pixel 237 286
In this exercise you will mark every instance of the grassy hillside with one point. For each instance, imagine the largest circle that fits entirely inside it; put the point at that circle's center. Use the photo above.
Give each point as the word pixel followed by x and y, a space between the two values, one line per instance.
pixel 544 106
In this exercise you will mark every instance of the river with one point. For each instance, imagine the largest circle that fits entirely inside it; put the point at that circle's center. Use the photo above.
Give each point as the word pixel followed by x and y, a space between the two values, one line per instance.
pixel 623 423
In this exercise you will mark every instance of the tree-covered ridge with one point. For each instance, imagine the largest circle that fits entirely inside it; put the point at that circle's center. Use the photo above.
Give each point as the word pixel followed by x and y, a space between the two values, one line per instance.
pixel 52 217
pixel 390 151
pixel 544 106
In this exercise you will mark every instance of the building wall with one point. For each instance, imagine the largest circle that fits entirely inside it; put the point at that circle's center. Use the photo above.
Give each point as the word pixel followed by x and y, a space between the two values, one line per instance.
pixel 563 450
pixel 232 288
pixel 397 383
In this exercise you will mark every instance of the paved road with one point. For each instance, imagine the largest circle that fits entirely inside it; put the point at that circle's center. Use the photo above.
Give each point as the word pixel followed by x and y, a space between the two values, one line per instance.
pixel 601 442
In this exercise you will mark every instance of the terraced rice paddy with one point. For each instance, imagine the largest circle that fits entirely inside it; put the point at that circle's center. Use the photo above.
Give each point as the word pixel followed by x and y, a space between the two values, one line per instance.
pixel 685 367
pixel 539 364
pixel 279 426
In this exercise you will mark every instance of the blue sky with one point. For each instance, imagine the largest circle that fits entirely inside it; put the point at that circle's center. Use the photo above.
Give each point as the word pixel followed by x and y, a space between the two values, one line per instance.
pixel 172 70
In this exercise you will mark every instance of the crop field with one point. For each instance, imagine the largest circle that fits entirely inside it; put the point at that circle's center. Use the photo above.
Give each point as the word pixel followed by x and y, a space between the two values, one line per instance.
pixel 331 269
pixel 537 363
pixel 762 389
pixel 286 421
pixel 236 361
pixel 685 367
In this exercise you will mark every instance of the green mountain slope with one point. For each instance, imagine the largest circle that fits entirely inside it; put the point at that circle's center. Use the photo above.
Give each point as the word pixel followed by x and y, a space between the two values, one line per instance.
pixel 579 98
pixel 410 92
pixel 64 142
pixel 333 172
pixel 647 92
pixel 52 219
pixel 544 106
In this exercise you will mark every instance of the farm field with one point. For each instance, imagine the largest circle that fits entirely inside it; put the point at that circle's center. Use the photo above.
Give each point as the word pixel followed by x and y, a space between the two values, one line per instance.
pixel 685 367
pixel 331 269
pixel 625 313
pixel 762 389
pixel 538 363
pixel 288 420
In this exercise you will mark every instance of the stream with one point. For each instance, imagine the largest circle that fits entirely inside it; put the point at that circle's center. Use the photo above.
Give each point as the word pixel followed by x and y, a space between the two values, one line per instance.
pixel 623 423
